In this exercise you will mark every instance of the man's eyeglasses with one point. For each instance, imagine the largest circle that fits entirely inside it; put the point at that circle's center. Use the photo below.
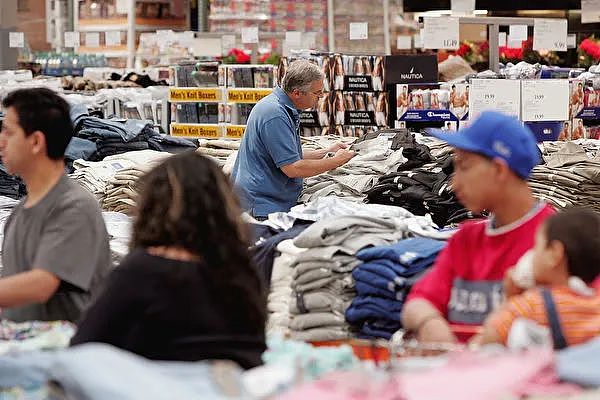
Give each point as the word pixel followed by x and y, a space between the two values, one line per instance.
pixel 319 93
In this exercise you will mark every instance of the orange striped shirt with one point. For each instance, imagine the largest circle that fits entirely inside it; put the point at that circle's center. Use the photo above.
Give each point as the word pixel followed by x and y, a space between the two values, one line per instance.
pixel 579 315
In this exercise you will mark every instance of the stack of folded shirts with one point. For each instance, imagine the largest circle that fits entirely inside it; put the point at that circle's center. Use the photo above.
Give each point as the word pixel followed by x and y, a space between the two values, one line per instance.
pixel 569 177
pixel 383 281
pixel 322 278
pixel 97 176
pixel 351 181
pixel 10 185
pixel 278 302
pixel 219 150
pixel 423 190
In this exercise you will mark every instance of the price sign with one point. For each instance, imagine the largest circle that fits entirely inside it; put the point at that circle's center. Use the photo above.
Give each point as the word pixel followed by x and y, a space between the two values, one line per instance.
pixel 250 35
pixel 495 94
pixel 550 34
pixel 590 11
pixel 112 38
pixel 517 33
pixel 247 95
pixel 71 39
pixel 545 100
pixel 462 6
pixel 92 39
pixel 441 33
pixel 502 39
pixel 227 43
pixel 404 42
pixel 293 38
pixel 358 30
pixel 16 39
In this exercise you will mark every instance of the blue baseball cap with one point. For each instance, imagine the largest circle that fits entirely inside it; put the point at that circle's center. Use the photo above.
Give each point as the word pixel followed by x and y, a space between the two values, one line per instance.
pixel 497 135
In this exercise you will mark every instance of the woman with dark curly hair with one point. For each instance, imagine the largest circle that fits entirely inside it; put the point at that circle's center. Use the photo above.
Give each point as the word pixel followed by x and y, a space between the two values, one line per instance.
pixel 187 291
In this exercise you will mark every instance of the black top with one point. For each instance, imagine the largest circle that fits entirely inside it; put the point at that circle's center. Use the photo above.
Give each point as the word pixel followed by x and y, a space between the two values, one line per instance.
pixel 165 309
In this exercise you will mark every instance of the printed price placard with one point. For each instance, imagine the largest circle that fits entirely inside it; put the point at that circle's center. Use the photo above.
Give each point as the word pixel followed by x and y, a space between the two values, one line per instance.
pixel 494 94
pixel 462 6
pixel 545 100
pixel 227 43
pixel 112 38
pixel 16 39
pixel 71 39
pixel 358 30
pixel 92 39
pixel 193 95
pixel 550 34
pixel 502 39
pixel 197 131
pixel 403 42
pixel 293 38
pixel 122 6
pixel 247 95
pixel 250 34
pixel 441 33
pixel 234 131
pixel 517 33
pixel 571 41
pixel 590 11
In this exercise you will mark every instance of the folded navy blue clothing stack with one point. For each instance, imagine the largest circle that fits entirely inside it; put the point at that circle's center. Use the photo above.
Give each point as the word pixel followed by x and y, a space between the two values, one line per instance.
pixel 383 281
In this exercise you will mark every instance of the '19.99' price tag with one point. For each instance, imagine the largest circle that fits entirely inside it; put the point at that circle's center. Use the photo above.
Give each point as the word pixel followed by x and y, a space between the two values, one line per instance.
pixel 441 33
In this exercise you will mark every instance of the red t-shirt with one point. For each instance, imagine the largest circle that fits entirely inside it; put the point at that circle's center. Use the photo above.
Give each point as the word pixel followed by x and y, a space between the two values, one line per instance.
pixel 465 283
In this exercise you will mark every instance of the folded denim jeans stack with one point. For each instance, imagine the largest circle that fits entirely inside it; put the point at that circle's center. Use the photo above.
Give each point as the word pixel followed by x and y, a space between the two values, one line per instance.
pixel 97 138
pixel 383 281
pixel 322 286
pixel 569 177
pixel 351 181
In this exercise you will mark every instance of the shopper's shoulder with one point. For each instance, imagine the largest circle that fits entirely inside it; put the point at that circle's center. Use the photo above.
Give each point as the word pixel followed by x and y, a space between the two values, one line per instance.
pixel 73 195
pixel 471 229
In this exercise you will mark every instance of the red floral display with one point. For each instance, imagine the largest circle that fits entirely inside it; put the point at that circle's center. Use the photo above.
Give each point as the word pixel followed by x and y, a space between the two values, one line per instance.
pixel 591 48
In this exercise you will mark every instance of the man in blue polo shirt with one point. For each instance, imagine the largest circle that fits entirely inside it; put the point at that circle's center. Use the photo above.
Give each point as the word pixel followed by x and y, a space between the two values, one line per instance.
pixel 270 164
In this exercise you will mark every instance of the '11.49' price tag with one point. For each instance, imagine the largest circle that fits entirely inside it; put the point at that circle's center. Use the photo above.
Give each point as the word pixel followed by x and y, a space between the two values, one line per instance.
pixel 441 33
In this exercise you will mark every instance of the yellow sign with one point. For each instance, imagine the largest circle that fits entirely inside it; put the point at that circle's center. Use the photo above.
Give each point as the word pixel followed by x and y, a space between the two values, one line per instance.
pixel 192 95
pixel 235 131
pixel 247 95
pixel 196 131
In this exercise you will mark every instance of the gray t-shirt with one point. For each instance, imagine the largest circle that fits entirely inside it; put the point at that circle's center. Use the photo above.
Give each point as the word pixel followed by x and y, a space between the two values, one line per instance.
pixel 65 234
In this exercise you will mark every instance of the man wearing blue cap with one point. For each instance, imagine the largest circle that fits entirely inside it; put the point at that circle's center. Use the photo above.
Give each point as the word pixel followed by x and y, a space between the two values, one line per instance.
pixel 493 158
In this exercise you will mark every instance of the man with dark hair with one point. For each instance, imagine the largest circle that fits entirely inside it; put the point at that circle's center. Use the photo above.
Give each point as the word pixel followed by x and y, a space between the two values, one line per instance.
pixel 55 251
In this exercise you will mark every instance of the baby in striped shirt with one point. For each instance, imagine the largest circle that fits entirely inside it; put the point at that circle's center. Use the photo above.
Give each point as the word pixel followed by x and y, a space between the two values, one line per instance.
pixel 551 286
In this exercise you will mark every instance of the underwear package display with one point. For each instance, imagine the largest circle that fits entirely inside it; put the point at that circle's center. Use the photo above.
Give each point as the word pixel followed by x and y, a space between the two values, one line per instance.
pixel 197 113
pixel 359 108
pixel 197 74
pixel 242 76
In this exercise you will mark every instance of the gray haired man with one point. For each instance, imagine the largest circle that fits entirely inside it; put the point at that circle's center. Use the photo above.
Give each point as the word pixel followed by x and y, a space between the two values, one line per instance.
pixel 270 164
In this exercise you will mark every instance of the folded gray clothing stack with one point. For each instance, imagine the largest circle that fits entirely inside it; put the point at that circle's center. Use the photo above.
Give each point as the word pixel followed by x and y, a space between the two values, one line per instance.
pixel 437 148
pixel 322 286
pixel 219 150
pixel 569 177
pixel 121 191
pixel 323 142
pixel 352 180
pixel 591 147
pixel 96 176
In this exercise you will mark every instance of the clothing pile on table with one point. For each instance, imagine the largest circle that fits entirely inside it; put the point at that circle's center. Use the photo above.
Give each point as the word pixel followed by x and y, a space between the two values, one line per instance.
pixel 34 335
pixel 383 281
pixel 98 177
pixel 223 152
pixel 97 372
pixel 374 159
pixel 97 138
pixel 569 177
pixel 422 190
pixel 119 228
pixel 10 185
pixel 322 285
